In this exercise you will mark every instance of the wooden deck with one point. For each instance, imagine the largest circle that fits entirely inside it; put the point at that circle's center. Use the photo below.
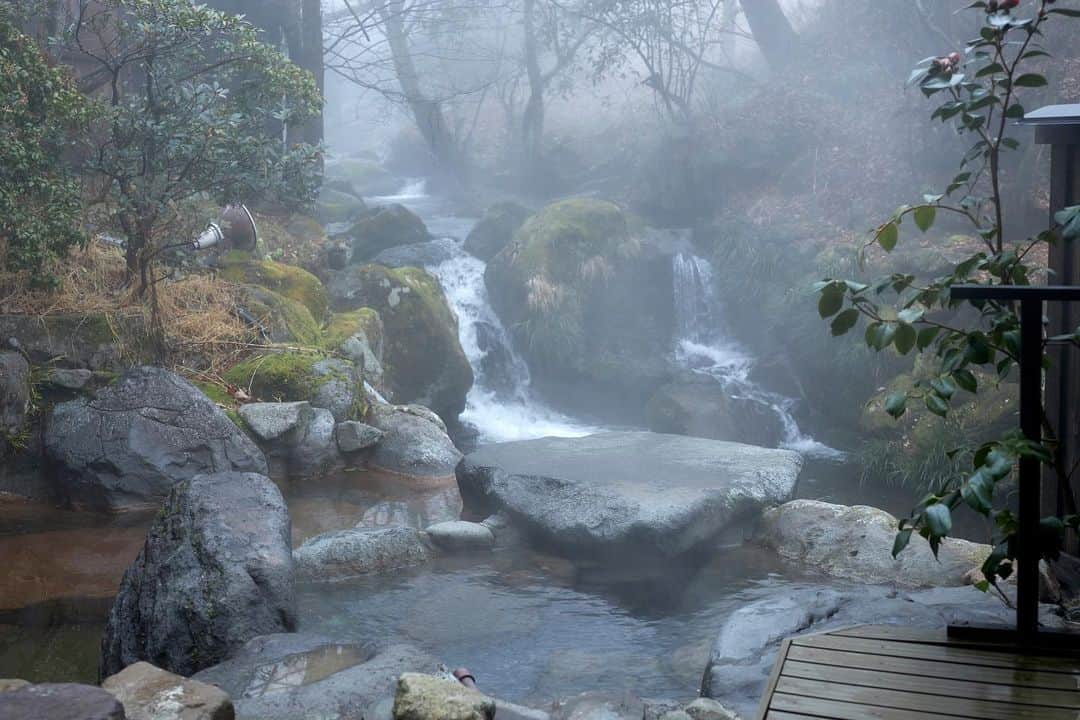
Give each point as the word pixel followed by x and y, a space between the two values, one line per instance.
pixel 895 673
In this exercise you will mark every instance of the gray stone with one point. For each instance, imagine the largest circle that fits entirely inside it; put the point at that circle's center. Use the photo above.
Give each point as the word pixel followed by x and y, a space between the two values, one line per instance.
pixel 14 392
pixel 150 693
pixel 599 706
pixel 745 648
pixel 9 684
pixel 128 445
pixel 413 445
pixel 495 229
pixel 676 715
pixel 699 405
pixel 270 420
pixel 314 451
pixel 60 701
pixel 383 227
pixel 339 391
pixel 285 677
pixel 656 709
pixel 423 254
pixel 353 436
pixel 425 697
pixel 856 542
pixel 461 535
pixel 347 553
pixel 69 378
pixel 216 571
pixel 77 340
pixel 627 495
pixel 709 709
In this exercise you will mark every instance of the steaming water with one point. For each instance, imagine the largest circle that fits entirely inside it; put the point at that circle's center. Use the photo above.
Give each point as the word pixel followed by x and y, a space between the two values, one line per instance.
pixel 702 346
pixel 500 405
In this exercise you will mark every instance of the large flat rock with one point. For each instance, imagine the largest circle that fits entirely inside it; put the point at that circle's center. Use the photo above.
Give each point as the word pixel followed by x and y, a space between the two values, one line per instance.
pixel 650 494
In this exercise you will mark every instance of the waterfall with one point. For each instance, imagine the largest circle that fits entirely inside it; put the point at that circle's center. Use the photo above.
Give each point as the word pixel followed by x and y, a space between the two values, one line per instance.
pixel 703 345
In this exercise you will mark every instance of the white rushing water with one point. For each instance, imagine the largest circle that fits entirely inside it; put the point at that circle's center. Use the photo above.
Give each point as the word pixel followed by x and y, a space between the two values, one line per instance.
pixel 501 404
pixel 702 346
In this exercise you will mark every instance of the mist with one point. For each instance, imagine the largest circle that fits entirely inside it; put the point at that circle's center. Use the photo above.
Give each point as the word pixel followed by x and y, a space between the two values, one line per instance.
pixel 589 347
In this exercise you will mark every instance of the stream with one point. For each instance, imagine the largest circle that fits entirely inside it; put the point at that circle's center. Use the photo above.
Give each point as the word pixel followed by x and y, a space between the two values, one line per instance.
pixel 531 627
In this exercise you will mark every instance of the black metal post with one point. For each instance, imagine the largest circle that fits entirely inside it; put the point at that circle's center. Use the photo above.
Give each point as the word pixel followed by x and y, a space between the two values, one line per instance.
pixel 1031 355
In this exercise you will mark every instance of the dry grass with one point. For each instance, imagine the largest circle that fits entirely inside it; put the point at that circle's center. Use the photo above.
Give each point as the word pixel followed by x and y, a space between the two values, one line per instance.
pixel 199 328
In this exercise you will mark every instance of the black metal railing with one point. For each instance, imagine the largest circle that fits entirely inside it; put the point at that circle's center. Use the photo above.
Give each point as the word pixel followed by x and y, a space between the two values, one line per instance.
pixel 1031 299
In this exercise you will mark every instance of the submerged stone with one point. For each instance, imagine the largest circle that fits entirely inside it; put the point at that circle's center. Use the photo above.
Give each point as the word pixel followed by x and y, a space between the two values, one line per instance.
pixel 628 496
pixel 348 553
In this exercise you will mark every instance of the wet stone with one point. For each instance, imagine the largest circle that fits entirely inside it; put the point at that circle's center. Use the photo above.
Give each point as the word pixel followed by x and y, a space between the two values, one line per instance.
pixel 425 697
pixel 150 693
pixel 60 701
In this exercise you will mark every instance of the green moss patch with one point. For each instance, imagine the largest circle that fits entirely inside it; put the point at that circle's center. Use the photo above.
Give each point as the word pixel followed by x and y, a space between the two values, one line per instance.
pixel 343 326
pixel 277 377
pixel 288 280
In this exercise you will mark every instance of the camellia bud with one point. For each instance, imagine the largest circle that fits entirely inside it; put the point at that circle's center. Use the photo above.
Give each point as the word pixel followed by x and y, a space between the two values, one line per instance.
pixel 954 59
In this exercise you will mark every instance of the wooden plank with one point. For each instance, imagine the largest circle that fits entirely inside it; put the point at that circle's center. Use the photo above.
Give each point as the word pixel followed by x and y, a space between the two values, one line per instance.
pixel 962 707
pixel 934 668
pixel 943 653
pixel 781 715
pixel 774 677
pixel 801 705
pixel 894 632
pixel 929 685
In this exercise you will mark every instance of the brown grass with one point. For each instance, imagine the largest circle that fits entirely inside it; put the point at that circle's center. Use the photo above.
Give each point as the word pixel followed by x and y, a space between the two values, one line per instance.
pixel 199 327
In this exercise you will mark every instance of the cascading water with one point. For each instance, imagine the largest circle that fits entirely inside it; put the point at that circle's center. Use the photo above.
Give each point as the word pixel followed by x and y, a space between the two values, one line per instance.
pixel 500 405
pixel 702 346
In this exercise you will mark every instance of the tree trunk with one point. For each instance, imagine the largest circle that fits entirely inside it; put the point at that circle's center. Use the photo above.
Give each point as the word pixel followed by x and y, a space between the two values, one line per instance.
pixel 772 31
pixel 532 117
pixel 427 113
pixel 311 31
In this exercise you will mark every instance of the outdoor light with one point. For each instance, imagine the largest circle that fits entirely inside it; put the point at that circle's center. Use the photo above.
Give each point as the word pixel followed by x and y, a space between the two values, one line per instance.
pixel 235 227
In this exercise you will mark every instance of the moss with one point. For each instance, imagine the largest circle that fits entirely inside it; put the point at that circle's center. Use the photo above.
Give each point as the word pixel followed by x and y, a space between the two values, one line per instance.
pixel 220 397
pixel 288 280
pixel 285 320
pixel 383 228
pixel 282 376
pixel 343 326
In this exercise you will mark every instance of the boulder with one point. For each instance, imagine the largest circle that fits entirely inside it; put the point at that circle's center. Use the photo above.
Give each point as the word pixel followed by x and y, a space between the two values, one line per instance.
pixel 14 394
pixel 150 693
pixel 745 648
pixel 129 444
pixel 326 382
pixel 590 304
pixel 277 318
pixel 271 421
pixel 422 355
pixel 856 543
pixel 699 405
pixel 461 535
pixel 709 709
pixel 314 451
pixel 358 336
pixel 216 571
pixel 424 254
pixel 596 705
pixel 74 379
pixel 353 436
pixel 338 203
pixel 288 280
pixel 290 676
pixel 362 176
pixel 384 227
pixel 83 340
pixel 60 701
pixel 496 229
pixel 629 496
pixel 412 444
pixel 348 553
pixel 9 684
pixel 426 697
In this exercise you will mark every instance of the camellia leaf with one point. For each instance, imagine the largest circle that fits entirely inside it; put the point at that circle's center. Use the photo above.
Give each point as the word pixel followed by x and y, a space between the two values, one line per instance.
pixel 905 338
pixel 830 303
pixel 888 236
pixel 924 216
pixel 966 379
pixel 938 520
pixel 903 537
pixel 937 405
pixel 896 404
pixel 1030 80
pixel 926 337
pixel 845 321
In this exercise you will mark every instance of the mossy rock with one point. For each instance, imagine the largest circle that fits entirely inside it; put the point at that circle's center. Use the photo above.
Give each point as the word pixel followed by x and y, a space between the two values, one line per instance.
pixel 422 356
pixel 325 382
pixel 588 300
pixel 293 282
pixel 358 336
pixel 95 341
pixel 385 227
pixel 283 319
pixel 366 177
pixel 496 229
pixel 220 397
pixel 336 205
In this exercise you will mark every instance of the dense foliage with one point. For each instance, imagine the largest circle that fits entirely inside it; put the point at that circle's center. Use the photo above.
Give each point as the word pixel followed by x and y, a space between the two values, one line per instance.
pixel 192 99
pixel 40 198
pixel 974 345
